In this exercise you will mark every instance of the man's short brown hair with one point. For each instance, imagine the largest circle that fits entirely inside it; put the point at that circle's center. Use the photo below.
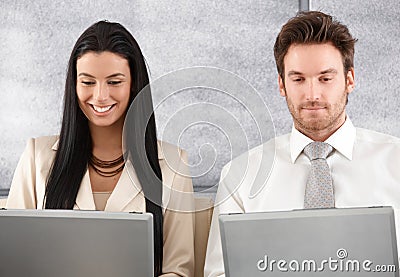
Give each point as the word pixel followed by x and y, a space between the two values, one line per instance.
pixel 314 27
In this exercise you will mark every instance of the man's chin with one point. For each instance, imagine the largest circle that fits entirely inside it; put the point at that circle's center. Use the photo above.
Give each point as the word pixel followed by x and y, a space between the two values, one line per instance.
pixel 313 125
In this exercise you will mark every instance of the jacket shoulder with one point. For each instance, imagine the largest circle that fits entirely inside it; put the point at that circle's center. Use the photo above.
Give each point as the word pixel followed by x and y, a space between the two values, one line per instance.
pixel 44 145
pixel 169 151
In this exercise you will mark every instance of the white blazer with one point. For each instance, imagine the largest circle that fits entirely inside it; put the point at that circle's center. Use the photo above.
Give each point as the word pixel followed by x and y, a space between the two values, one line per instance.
pixel 28 189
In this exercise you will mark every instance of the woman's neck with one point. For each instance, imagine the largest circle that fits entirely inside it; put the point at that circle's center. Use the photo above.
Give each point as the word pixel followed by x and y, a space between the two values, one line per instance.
pixel 106 141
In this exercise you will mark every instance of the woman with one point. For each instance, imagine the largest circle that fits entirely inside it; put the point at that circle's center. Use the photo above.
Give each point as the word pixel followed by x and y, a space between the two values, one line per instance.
pixel 84 167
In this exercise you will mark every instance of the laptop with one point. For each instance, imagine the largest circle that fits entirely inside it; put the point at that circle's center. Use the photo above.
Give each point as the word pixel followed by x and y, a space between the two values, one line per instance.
pixel 49 243
pixel 315 242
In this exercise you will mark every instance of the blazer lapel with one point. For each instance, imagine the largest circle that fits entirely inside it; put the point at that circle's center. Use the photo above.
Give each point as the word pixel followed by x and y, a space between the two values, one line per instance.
pixel 127 194
pixel 84 199
pixel 127 191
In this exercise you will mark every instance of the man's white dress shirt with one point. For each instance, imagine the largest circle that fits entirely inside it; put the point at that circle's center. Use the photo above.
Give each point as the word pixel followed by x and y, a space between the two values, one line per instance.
pixel 365 168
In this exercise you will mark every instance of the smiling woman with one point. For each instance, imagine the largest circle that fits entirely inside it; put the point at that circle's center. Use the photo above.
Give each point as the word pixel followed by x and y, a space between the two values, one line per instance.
pixel 85 167
pixel 103 88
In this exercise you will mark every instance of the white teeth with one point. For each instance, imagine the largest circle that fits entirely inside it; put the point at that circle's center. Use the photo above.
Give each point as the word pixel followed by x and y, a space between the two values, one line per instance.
pixel 101 109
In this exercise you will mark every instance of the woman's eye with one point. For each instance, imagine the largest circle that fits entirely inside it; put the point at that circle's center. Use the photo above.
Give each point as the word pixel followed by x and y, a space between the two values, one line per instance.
pixel 88 83
pixel 114 82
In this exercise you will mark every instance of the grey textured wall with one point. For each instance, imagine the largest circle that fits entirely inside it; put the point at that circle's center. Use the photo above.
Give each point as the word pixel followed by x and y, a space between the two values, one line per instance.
pixel 238 36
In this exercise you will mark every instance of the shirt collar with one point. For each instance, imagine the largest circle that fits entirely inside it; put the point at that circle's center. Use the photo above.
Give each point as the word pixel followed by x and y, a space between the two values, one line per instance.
pixel 342 141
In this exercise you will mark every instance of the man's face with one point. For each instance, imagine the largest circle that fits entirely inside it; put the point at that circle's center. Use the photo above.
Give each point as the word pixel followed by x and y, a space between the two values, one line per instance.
pixel 316 88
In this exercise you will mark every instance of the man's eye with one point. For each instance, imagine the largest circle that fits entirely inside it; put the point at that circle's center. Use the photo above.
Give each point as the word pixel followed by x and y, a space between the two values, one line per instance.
pixel 114 82
pixel 297 80
pixel 326 79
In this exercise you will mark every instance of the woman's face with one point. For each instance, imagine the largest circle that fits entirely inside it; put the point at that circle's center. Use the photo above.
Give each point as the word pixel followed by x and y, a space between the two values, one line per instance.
pixel 103 87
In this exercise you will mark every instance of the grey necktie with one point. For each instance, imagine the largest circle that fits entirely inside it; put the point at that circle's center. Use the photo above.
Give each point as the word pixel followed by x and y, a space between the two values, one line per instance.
pixel 319 189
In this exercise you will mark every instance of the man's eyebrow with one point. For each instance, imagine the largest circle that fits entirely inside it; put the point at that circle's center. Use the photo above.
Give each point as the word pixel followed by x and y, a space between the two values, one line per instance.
pixel 326 71
pixel 292 72
pixel 329 70
pixel 91 76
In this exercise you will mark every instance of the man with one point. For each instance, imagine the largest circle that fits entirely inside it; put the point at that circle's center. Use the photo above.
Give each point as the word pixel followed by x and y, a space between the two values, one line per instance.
pixel 314 57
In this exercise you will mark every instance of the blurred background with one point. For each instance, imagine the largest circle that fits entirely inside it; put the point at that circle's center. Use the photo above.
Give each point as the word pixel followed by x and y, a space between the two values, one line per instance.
pixel 236 36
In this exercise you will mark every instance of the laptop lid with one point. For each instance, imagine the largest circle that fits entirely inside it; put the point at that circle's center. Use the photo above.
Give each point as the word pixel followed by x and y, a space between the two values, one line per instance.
pixel 63 243
pixel 317 242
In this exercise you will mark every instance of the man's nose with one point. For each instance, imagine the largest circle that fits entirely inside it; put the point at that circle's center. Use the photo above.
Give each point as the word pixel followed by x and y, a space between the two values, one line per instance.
pixel 313 91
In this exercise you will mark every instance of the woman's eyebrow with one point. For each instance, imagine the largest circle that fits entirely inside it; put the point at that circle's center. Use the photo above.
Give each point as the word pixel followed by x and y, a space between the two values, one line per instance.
pixel 115 75
pixel 91 76
pixel 85 74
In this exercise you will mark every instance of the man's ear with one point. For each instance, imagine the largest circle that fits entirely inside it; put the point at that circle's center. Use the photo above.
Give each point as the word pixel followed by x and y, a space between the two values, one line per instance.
pixel 350 84
pixel 281 85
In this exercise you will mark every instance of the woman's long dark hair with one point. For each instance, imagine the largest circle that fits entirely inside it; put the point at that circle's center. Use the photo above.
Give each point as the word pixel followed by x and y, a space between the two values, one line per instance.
pixel 75 146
